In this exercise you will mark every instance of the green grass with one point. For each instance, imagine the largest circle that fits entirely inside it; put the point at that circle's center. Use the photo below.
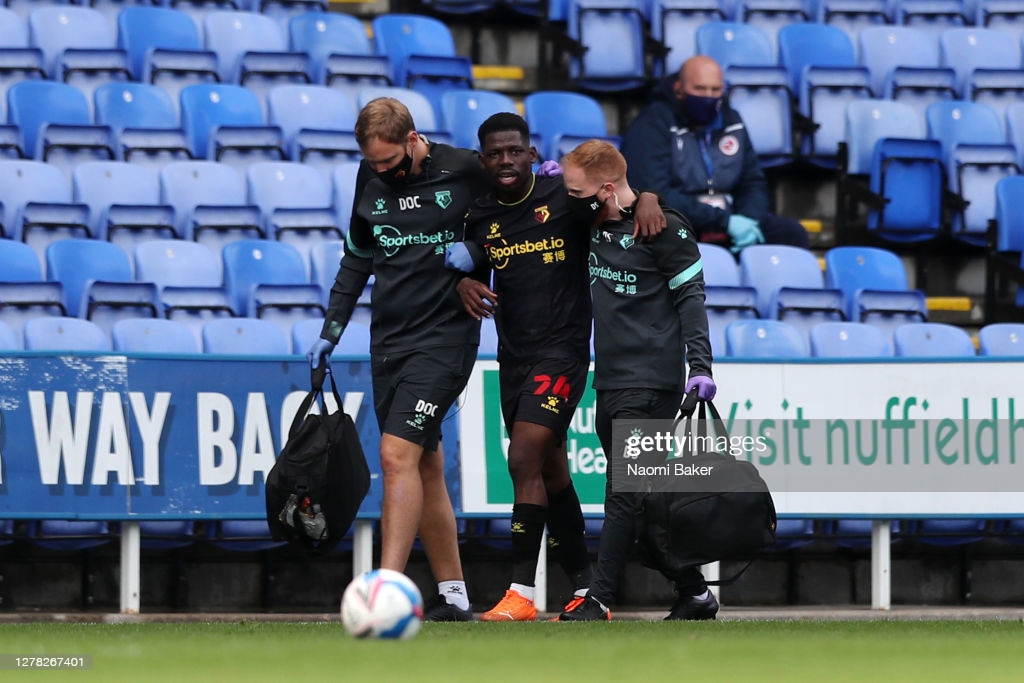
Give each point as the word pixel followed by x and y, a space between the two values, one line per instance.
pixel 623 651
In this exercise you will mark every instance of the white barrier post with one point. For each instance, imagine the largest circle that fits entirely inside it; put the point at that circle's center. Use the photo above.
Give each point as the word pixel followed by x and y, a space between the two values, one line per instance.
pixel 881 561
pixel 131 571
pixel 362 547
pixel 540 591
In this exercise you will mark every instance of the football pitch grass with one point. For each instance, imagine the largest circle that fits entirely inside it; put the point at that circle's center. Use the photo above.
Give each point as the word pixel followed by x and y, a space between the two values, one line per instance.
pixel 626 651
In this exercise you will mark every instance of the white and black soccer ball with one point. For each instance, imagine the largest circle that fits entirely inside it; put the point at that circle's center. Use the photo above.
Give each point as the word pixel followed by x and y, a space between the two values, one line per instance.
pixel 382 603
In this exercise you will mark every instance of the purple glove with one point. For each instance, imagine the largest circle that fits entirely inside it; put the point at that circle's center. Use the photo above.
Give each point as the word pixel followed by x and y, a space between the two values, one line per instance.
pixel 705 387
pixel 549 168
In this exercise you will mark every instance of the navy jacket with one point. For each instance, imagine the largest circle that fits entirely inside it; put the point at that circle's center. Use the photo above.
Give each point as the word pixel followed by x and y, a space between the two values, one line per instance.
pixel 664 154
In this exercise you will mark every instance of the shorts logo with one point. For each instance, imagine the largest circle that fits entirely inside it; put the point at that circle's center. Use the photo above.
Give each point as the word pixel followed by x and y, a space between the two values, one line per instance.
pixel 417 421
pixel 443 198
pixel 542 214
pixel 551 404
pixel 729 145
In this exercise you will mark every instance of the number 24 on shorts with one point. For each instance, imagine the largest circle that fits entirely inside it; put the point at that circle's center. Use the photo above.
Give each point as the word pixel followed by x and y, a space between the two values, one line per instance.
pixel 560 386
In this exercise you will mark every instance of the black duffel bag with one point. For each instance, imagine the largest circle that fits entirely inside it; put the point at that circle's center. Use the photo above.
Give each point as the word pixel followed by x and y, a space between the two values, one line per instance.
pixel 729 514
pixel 315 488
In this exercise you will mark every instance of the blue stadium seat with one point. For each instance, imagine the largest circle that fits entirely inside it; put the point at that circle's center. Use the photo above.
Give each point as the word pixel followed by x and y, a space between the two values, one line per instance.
pixel 1015 127
pixel 764 339
pixel 155 335
pixel 596 24
pixel 324 261
pixel 355 342
pixel 846 339
pixel 9 341
pixel 1004 15
pixel 675 24
pixel 719 265
pixel 197 10
pixel 18 60
pixel 317 122
pixel 778 273
pixel 145 120
pixel 226 123
pixel 210 201
pixel 1001 339
pixel 343 179
pixel 852 16
pixel 1010 214
pixel 970 48
pixel 724 298
pixel 932 340
pixel 296 202
pixel 98 283
pixel 165 49
pixel 283 11
pixel 405 38
pixel 999 89
pixel 123 201
pixel 24 181
pixel 341 50
pixel 244 336
pixel 252 50
pixel 874 283
pixel 771 16
pixel 947 532
pixel 251 264
pixel 64 334
pixel 463 111
pixel 868 121
pixel 855 533
pixel 825 76
pixel 423 112
pixel 976 158
pixel 242 535
pixel 907 174
pixel 735 44
pixel 23 292
pixel 933 16
pixel 559 121
pixel 884 48
pixel 79 46
pixel 56 124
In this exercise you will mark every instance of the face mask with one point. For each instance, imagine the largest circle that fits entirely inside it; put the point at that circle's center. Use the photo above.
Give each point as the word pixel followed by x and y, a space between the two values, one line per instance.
pixel 585 209
pixel 399 173
pixel 701 110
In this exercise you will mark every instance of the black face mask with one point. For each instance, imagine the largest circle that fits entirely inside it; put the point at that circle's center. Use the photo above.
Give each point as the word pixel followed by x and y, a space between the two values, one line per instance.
pixel 585 209
pixel 399 173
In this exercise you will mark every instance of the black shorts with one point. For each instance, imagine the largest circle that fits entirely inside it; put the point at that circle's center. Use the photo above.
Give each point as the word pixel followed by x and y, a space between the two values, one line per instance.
pixel 412 391
pixel 543 391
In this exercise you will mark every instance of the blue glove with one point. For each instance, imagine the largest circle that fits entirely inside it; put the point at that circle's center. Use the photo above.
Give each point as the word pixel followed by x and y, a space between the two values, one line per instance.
pixel 457 257
pixel 705 387
pixel 549 168
pixel 744 232
pixel 321 348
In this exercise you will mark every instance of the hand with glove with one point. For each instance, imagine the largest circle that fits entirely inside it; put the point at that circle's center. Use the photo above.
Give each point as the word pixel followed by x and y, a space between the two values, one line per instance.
pixel 704 385
pixel 457 257
pixel 549 168
pixel 744 232
pixel 321 349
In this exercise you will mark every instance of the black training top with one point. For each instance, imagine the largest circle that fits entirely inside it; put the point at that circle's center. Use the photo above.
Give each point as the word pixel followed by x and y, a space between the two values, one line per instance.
pixel 538 253
pixel 400 233
pixel 648 306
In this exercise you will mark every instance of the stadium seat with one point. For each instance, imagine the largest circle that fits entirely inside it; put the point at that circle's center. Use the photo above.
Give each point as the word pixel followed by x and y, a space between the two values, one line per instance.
pixel 559 121
pixel 98 283
pixel 155 335
pixel 9 341
pixel 771 16
pixel 868 121
pixel 932 340
pixel 1010 214
pixel 197 10
pixel 409 38
pixel 165 49
pixel 211 202
pixel 77 536
pixel 593 25
pixel 244 336
pixel 243 535
pixel 970 48
pixel 123 201
pixel 1001 339
pixel 764 339
pixel 296 202
pixel 56 124
pixel 343 180
pixel 825 76
pixel 874 283
pixel 675 24
pixel 23 292
pixel 324 261
pixel 64 334
pixel 932 16
pixel 354 343
pixel 462 112
pixel 250 265
pixel 724 298
pixel 145 120
pixel 423 112
pixel 884 48
pixel 947 532
pixel 852 16
pixel 976 158
pixel 1004 15
pixel 317 122
pixel 79 46
pixel 735 44
pixel 788 280
pixel 1015 128
pixel 283 11
pixel 849 340
pixel 225 123
pixel 24 181
pixel 856 533
pixel 252 50
pixel 341 51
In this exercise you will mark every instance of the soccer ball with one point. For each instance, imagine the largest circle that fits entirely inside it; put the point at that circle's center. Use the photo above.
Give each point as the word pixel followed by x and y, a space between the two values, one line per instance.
pixel 382 603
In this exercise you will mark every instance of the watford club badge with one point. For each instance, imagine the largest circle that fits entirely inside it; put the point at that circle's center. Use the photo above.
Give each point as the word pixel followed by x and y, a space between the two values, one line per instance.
pixel 542 214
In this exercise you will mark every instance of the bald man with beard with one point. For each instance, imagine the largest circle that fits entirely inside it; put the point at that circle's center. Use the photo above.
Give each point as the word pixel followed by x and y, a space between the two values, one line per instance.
pixel 692 148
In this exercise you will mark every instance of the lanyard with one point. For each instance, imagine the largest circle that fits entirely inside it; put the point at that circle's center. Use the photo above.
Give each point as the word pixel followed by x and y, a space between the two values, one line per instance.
pixel 705 153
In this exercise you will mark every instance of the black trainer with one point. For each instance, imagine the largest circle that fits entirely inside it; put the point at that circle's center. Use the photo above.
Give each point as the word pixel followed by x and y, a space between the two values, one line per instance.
pixel 439 609
pixel 585 609
pixel 692 608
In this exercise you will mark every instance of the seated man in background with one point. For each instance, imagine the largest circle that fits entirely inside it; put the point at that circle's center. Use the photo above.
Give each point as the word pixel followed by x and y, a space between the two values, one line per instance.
pixel 693 149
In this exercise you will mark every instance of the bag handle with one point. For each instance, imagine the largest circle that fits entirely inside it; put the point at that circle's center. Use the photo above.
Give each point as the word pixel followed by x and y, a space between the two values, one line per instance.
pixel 317 379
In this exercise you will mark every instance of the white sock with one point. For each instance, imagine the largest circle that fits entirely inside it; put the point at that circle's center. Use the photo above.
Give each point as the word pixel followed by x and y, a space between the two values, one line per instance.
pixel 525 591
pixel 455 593
pixel 704 595
pixel 581 593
